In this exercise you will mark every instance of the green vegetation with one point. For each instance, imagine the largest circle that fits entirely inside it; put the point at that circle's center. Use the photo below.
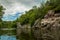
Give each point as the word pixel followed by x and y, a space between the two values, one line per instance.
pixel 38 12
pixel 6 24
pixel 30 17
pixel 33 14
pixel 1 12
pixel 7 32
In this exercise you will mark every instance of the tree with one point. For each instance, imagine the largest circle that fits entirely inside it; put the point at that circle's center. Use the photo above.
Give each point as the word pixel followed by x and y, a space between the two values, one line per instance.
pixel 1 11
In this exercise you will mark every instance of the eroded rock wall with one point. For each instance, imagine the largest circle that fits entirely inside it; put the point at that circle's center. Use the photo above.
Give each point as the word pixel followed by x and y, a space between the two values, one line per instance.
pixel 45 29
pixel 48 28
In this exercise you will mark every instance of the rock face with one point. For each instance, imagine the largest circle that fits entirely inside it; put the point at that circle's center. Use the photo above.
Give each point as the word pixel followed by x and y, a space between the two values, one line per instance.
pixel 48 28
pixel 45 29
pixel 23 29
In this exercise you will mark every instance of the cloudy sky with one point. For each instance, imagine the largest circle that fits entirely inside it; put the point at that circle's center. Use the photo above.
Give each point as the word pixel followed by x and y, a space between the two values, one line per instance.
pixel 14 7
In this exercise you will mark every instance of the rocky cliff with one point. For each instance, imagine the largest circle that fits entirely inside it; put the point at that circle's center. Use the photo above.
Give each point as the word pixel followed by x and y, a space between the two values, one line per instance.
pixel 45 29
pixel 49 27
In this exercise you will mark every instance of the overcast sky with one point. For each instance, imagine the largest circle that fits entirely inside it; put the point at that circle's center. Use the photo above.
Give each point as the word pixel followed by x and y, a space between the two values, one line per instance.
pixel 14 6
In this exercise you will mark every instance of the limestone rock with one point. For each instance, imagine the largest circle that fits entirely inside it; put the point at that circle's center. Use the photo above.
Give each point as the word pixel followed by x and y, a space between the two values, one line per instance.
pixel 45 29
pixel 48 28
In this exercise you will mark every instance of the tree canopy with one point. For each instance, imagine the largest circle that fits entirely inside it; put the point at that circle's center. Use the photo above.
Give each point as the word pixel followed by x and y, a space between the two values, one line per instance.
pixel 38 12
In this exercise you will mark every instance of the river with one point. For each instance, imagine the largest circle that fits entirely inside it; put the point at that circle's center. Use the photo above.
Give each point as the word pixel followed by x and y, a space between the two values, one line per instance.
pixel 6 37
pixel 8 34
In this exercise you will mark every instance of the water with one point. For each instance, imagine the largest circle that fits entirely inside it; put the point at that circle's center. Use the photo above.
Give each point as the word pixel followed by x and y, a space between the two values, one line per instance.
pixel 6 37
pixel 8 29
pixel 8 34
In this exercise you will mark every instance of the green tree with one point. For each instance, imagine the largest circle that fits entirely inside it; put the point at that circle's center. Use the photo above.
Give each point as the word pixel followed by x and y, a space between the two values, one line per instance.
pixel 1 11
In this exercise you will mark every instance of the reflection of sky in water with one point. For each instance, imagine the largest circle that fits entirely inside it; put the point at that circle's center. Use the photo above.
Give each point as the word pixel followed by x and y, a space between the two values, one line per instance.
pixel 5 37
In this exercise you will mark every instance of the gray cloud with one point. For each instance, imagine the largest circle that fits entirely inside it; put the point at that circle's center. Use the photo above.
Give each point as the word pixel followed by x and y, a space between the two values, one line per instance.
pixel 28 3
pixel 13 6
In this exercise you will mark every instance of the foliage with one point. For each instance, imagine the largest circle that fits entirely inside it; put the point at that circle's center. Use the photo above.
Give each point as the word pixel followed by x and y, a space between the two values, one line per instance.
pixel 1 11
pixel 38 12
pixel 8 24
pixel 55 4
pixel 33 14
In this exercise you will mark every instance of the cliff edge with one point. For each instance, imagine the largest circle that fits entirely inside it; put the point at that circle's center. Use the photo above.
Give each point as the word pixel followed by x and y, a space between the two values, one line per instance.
pixel 49 27
pixel 45 29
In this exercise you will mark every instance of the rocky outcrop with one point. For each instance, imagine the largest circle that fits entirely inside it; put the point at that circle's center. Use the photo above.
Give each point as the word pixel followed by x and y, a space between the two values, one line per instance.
pixel 23 28
pixel 48 28
pixel 45 29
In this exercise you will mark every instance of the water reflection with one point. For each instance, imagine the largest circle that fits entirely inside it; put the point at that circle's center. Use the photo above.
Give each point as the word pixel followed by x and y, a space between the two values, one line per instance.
pixel 7 34
pixel 6 37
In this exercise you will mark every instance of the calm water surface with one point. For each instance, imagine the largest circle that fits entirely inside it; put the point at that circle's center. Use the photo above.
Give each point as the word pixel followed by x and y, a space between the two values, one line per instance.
pixel 7 34
pixel 6 37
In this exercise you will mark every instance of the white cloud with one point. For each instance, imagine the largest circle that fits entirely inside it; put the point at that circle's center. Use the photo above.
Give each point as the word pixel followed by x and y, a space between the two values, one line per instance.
pixel 16 7
pixel 13 6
